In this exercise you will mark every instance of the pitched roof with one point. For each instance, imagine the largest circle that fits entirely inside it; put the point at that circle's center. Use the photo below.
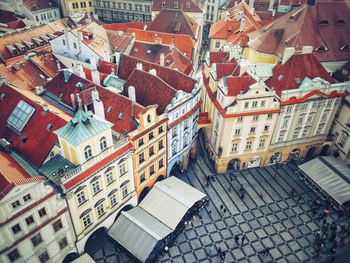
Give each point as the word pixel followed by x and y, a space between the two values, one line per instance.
pixel 173 78
pixel 119 41
pixel 174 22
pixel 36 5
pixel 290 75
pixel 218 57
pixel 115 105
pixel 236 85
pixel 37 139
pixel 47 63
pixel 124 26
pixel 150 90
pixel 227 69
pixel 184 5
pixel 328 20
pixel 8 17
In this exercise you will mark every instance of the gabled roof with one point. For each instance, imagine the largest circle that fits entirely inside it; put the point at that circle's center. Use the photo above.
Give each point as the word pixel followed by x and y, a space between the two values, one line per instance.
pixel 236 85
pixel 328 20
pixel 218 57
pixel 115 105
pixel 12 174
pixel 173 78
pixel 47 63
pixel 227 69
pixel 174 22
pixel 82 127
pixel 37 5
pixel 37 139
pixel 150 90
pixel 119 41
pixel 290 75
pixel 125 26
pixel 184 5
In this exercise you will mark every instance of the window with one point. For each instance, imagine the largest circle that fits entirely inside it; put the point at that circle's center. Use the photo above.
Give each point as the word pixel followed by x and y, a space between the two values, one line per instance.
pixel 163 4
pixel 324 116
pixel 36 240
pixel 300 120
pixel 343 139
pixel 285 122
pixel 309 118
pixel 252 129
pixel 142 177
pixel 314 105
pixel 113 200
pixel 63 243
pixel 305 132
pixel 150 136
pixel 174 148
pixel 151 151
pixel 103 143
pixel 81 198
pixel 234 147
pixel 15 204
pixel 174 133
pixel 160 164
pixel 87 152
pixel 27 198
pixel 160 145
pixel 255 117
pixel 122 169
pixel 217 44
pixel 296 134
pixel 281 136
pixel 237 131
pixel 289 108
pixel 160 130
pixel 30 220
pixel 266 128
pixel 262 104
pixel 109 177
pixel 63 42
pixel 90 3
pixel 100 210
pixel 255 104
pixel 262 143
pixel 329 103
pixel 141 142
pixel 269 116
pixel 74 45
pixel 125 191
pixel 319 129
pixel 20 116
pixel 151 170
pixel 87 220
pixel 96 187
pixel 246 105
pixel 141 158
pixel 304 107
pixel 249 145
pixel 16 229
pixel 240 119
pixel 57 225
pixel 176 5
pixel 44 257
pixel 42 212
pixel 13 255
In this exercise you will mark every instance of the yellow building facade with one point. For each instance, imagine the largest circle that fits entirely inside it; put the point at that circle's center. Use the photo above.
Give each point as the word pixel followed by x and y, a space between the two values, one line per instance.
pixel 70 7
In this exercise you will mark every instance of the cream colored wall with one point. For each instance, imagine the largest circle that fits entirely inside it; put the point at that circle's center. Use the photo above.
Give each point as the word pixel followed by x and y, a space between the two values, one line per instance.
pixel 258 57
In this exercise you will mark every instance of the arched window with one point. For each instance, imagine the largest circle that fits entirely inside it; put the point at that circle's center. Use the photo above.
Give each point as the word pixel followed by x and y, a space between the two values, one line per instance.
pixel 103 143
pixel 87 152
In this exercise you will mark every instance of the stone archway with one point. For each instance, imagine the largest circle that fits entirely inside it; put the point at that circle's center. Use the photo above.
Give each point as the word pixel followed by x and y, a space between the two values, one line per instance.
pixel 95 241
pixel 143 193
pixel 324 150
pixel 276 157
pixel 70 257
pixel 294 155
pixel 310 153
pixel 234 164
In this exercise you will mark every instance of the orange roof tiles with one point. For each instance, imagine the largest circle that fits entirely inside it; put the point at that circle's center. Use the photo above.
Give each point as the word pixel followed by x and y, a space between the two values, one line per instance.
pixel 119 42
pixel 47 63
pixel 236 85
pixel 125 26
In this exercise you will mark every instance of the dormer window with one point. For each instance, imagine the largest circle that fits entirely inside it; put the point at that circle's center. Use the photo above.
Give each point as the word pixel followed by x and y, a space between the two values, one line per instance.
pixel 176 5
pixel 340 22
pixel 87 152
pixel 163 4
pixel 323 22
pixel 103 143
pixel 346 47
pixel 321 48
pixel 188 5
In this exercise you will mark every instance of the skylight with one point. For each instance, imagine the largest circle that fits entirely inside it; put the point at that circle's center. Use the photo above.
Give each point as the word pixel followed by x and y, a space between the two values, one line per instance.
pixel 20 116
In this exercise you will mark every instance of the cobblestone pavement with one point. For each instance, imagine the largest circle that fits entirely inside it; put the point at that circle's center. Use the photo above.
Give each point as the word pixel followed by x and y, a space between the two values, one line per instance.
pixel 276 220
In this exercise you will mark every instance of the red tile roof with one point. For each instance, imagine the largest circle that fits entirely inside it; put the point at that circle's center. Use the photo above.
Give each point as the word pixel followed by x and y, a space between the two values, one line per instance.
pixel 36 5
pixel 36 140
pixel 174 22
pixel 236 85
pixel 47 63
pixel 328 20
pixel 218 57
pixel 8 17
pixel 227 69
pixel 107 67
pixel 184 5
pixel 125 26
pixel 114 104
pixel 96 167
pixel 119 41
pixel 290 75
pixel 150 90
pixel 173 78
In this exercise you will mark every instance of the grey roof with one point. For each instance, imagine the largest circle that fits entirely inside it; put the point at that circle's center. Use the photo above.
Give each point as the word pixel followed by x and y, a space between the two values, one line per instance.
pixel 330 174
pixel 82 127
pixel 138 232
pixel 51 169
pixel 170 199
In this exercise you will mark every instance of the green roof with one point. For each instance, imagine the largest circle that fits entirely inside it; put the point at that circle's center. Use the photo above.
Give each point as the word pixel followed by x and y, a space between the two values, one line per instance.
pixel 82 128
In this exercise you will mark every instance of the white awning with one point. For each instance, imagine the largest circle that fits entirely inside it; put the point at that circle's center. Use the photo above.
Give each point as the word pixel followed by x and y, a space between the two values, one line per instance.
pixel 331 175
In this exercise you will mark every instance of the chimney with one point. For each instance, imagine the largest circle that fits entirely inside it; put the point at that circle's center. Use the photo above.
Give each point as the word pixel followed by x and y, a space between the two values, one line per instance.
pixel 273 12
pixel 132 96
pixel 242 26
pixel 58 64
pixel 45 107
pixel 72 98
pixel 272 2
pixel 98 104
pixel 153 72
pixel 80 39
pixel 106 56
pixel 78 70
pixel 288 53
pixel 311 2
pixel 161 59
pixel 139 66
pixel 95 77
pixel 93 62
pixel 80 105
pixel 66 75
pixel 251 6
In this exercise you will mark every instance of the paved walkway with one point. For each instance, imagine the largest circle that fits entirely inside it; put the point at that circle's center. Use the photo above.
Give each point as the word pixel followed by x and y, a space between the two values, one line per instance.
pixel 275 220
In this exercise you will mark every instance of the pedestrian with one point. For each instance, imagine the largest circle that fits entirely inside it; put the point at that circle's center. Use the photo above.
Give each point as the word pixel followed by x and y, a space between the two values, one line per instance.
pixel 224 211
pixel 221 206
pixel 219 250
pixel 242 196
pixel 299 197
pixel 266 251
pixel 261 195
pixel 243 238
pixel 293 191
pixel 325 211
pixel 236 238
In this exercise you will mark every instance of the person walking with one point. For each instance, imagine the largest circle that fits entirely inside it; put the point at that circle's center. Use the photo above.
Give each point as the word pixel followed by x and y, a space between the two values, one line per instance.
pixel 236 238
pixel 243 238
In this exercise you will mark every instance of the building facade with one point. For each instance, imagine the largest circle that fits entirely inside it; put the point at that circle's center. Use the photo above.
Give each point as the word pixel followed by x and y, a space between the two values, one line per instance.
pixel 70 7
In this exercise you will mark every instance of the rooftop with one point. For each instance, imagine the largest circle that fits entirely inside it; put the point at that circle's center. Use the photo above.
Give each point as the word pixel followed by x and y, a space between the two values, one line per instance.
pixel 184 5
pixel 119 40
pixel 37 5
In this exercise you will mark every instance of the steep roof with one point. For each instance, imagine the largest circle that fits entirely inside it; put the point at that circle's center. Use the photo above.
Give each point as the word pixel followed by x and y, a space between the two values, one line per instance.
pixel 227 69
pixel 119 41
pixel 36 139
pixel 125 26
pixel 173 78
pixel 82 127
pixel 290 75
pixel 150 90
pixel 47 63
pixel 236 85
pixel 37 5
pixel 329 22
pixel 174 21
pixel 218 57
pixel 184 5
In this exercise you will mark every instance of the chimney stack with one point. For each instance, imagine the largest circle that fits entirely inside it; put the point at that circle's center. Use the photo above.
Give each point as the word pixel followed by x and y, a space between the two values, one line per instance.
pixel 132 96
pixel 251 6
pixel 272 2
pixel 98 104
pixel 72 98
pixel 139 66
pixel 242 26
pixel 80 105
pixel 93 62
pixel 95 75
pixel 161 59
